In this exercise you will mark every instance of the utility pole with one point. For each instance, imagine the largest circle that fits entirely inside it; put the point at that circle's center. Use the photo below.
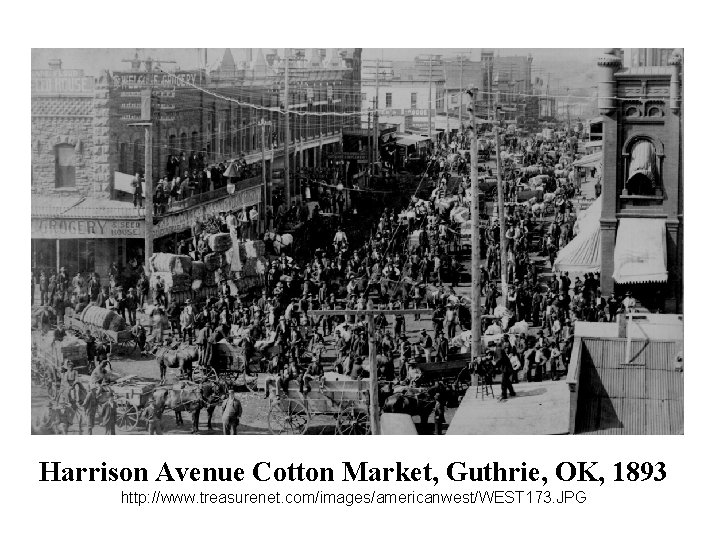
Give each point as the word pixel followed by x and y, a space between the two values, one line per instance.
pixel 370 314
pixel 265 197
pixel 376 131
pixel 475 326
pixel 430 101
pixel 146 122
pixel 462 58
pixel 287 132
pixel 501 213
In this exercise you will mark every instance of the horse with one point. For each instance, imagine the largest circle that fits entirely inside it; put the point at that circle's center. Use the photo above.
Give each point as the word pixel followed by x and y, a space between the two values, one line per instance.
pixel 280 243
pixel 411 401
pixel 182 357
pixel 187 395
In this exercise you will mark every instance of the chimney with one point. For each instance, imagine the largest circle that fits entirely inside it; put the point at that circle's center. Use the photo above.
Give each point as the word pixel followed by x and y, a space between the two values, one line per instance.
pixel 55 63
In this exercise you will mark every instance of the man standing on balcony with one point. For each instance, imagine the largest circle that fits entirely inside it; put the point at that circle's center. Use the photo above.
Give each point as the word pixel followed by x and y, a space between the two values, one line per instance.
pixel 254 222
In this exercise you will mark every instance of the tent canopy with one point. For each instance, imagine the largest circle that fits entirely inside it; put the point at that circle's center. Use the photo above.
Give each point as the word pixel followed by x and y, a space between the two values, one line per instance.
pixel 640 251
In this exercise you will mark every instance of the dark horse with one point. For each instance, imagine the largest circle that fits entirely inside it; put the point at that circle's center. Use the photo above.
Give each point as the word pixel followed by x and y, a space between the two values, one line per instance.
pixel 188 395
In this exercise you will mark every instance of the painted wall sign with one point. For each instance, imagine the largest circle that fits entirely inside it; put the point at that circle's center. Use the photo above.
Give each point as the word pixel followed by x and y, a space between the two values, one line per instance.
pixel 87 228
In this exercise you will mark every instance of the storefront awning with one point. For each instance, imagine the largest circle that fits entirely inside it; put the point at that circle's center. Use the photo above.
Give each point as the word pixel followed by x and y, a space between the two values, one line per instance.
pixel 409 140
pixel 640 251
pixel 582 254
pixel 590 161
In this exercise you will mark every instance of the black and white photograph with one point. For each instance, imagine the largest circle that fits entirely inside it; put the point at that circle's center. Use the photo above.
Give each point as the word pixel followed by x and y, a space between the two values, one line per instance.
pixel 357 241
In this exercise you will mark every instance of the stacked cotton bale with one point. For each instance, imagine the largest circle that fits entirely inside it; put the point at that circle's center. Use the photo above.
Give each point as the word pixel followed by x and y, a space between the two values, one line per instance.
pixel 213 261
pixel 252 249
pixel 219 242
pixel 169 262
pixel 103 318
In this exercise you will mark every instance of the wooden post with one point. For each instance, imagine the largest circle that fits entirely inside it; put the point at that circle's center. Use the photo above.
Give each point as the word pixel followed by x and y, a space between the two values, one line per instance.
pixel 476 326
pixel 501 219
pixel 374 397
pixel 264 177
pixel 287 132
pixel 370 312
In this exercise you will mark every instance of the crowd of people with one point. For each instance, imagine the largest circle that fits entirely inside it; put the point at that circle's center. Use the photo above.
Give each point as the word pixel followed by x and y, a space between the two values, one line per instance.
pixel 410 258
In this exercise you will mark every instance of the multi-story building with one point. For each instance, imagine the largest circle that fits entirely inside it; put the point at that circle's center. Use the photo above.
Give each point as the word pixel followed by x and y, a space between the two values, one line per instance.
pixel 75 222
pixel 641 224
pixel 650 57
pixel 86 148
pixel 410 94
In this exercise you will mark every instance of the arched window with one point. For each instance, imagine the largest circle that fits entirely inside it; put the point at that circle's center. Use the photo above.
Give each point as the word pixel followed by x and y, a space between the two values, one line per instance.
pixel 183 142
pixel 194 141
pixel 64 165
pixel 643 174
pixel 171 145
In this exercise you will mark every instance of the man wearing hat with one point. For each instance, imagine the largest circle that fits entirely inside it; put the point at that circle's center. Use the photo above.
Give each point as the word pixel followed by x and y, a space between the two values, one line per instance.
pixel 153 414
pixel 628 302
pixel 231 412
pixel 426 344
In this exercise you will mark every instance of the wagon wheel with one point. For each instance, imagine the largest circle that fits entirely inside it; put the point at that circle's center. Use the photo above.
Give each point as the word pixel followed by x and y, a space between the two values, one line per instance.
pixel 127 415
pixel 288 417
pixel 248 380
pixel 352 421
pixel 202 374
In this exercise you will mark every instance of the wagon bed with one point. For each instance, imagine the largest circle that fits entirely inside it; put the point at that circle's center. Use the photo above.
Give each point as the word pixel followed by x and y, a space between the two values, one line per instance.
pixel 345 399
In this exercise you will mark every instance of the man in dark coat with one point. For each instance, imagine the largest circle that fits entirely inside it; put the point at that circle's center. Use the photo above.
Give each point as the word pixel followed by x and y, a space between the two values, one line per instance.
pixel 502 362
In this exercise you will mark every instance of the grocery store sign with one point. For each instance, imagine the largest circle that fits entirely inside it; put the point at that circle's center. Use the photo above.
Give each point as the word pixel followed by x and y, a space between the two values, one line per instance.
pixel 87 228
pixel 186 219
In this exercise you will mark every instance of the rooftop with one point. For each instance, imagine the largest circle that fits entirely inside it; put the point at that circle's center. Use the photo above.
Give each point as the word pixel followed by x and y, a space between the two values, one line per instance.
pixel 640 393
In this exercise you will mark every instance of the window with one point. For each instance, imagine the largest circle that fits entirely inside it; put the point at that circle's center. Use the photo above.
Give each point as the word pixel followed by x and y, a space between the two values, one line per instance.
pixel 363 96
pixel 413 100
pixel 388 99
pixel 123 165
pixel 643 176
pixel 64 165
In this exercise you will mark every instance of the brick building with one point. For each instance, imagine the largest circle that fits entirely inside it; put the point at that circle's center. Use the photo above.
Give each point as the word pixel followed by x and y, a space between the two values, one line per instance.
pixel 641 224
pixel 75 224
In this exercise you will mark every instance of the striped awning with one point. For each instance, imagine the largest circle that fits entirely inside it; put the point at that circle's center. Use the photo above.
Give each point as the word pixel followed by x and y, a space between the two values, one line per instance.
pixel 640 251
pixel 582 254
pixel 590 161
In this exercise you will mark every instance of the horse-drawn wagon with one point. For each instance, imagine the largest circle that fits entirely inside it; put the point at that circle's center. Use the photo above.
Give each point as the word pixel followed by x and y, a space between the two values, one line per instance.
pixel 346 400
pixel 106 326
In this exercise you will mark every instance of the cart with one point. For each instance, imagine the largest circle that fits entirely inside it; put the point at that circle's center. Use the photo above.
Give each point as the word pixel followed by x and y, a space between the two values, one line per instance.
pixel 454 372
pixel 113 339
pixel 346 400
pixel 132 394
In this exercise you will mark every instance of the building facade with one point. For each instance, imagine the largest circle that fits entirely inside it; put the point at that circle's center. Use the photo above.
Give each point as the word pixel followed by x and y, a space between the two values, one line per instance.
pixel 642 212
pixel 410 94
pixel 86 150
pixel 75 223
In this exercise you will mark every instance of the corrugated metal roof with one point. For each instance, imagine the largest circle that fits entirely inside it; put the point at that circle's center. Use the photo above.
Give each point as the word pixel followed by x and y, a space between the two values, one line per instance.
pixel 644 396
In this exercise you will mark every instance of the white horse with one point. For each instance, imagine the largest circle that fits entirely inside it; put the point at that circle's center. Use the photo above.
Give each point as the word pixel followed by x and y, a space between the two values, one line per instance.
pixel 282 243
